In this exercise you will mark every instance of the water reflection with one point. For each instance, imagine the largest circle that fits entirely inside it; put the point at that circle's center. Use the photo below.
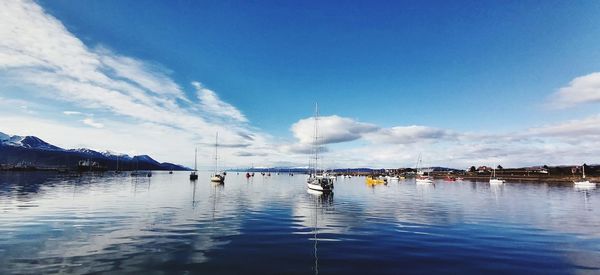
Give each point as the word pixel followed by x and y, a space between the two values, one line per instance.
pixel 115 223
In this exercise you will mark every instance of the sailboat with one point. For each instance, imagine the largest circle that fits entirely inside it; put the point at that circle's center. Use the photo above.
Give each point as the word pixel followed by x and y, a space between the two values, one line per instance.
pixel 494 179
pixel 117 171
pixel 318 181
pixel 421 178
pixel 583 182
pixel 194 174
pixel 216 177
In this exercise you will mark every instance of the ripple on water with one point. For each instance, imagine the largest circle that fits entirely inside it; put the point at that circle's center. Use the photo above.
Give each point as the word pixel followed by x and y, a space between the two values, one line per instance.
pixel 51 224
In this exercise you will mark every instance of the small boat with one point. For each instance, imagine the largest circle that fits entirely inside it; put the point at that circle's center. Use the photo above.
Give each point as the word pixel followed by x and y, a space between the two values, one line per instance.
pixel 494 179
pixel 424 180
pixel 374 181
pixel 583 182
pixel 392 178
pixel 421 177
pixel 248 175
pixel 194 174
pixel 170 172
pixel 216 177
pixel 318 181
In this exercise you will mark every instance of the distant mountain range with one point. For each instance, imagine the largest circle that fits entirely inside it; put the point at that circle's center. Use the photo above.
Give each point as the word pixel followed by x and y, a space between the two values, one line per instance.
pixel 33 151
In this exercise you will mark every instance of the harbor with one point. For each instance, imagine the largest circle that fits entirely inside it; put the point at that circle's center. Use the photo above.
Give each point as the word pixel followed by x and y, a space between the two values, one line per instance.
pixel 51 224
pixel 299 137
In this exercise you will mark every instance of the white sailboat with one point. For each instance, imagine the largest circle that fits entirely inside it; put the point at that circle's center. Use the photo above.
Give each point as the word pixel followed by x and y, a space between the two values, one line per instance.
pixel 216 177
pixel 421 177
pixel 318 181
pixel 194 174
pixel 583 182
pixel 494 179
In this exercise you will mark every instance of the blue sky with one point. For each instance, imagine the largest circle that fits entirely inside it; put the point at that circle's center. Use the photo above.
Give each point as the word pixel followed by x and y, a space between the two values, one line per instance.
pixel 459 72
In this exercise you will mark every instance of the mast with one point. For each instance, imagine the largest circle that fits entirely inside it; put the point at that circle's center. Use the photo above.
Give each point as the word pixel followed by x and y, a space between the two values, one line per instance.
pixel 316 141
pixel 195 158
pixel 583 169
pixel 216 152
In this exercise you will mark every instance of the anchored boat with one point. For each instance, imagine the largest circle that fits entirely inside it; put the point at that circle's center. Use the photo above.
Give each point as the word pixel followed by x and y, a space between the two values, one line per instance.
pixel 194 174
pixel 317 180
pixel 583 182
pixel 422 178
pixel 216 177
pixel 494 179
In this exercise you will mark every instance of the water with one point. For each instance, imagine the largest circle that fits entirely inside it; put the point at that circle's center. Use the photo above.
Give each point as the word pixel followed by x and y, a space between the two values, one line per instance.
pixel 165 224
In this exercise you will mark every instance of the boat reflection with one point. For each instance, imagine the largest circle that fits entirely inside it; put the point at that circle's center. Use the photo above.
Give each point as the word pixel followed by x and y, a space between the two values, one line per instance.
pixel 194 202
pixel 321 199
pixel 321 202
pixel 584 187
pixel 496 190
pixel 586 191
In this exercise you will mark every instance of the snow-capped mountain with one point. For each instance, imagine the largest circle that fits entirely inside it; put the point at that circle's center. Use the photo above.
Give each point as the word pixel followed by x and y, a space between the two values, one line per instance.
pixel 26 142
pixel 30 149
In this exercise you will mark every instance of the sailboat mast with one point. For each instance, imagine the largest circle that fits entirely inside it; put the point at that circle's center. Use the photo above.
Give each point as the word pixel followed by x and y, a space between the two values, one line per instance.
pixel 195 159
pixel 316 141
pixel 583 169
pixel 216 152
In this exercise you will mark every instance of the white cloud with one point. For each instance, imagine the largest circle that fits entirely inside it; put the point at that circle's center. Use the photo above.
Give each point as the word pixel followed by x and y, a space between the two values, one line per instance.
pixel 91 122
pixel 72 113
pixel 582 128
pixel 210 102
pixel 408 134
pixel 332 129
pixel 583 89
pixel 150 77
pixel 38 54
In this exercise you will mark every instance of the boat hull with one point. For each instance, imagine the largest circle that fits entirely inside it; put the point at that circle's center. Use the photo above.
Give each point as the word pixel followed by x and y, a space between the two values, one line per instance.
pixel 496 181
pixel 424 180
pixel 217 179
pixel 586 183
pixel 317 187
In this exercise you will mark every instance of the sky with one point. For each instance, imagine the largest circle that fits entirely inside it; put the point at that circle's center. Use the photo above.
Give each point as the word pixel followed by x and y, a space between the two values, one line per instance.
pixel 462 83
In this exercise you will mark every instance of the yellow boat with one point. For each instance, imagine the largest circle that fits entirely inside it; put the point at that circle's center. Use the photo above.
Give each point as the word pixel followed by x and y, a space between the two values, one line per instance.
pixel 374 181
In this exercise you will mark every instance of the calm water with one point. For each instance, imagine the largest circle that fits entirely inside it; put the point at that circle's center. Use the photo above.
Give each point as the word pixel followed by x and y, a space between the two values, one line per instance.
pixel 166 224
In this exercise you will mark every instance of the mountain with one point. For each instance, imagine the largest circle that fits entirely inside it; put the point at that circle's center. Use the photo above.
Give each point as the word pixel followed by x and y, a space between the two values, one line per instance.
pixel 33 151
pixel 29 142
